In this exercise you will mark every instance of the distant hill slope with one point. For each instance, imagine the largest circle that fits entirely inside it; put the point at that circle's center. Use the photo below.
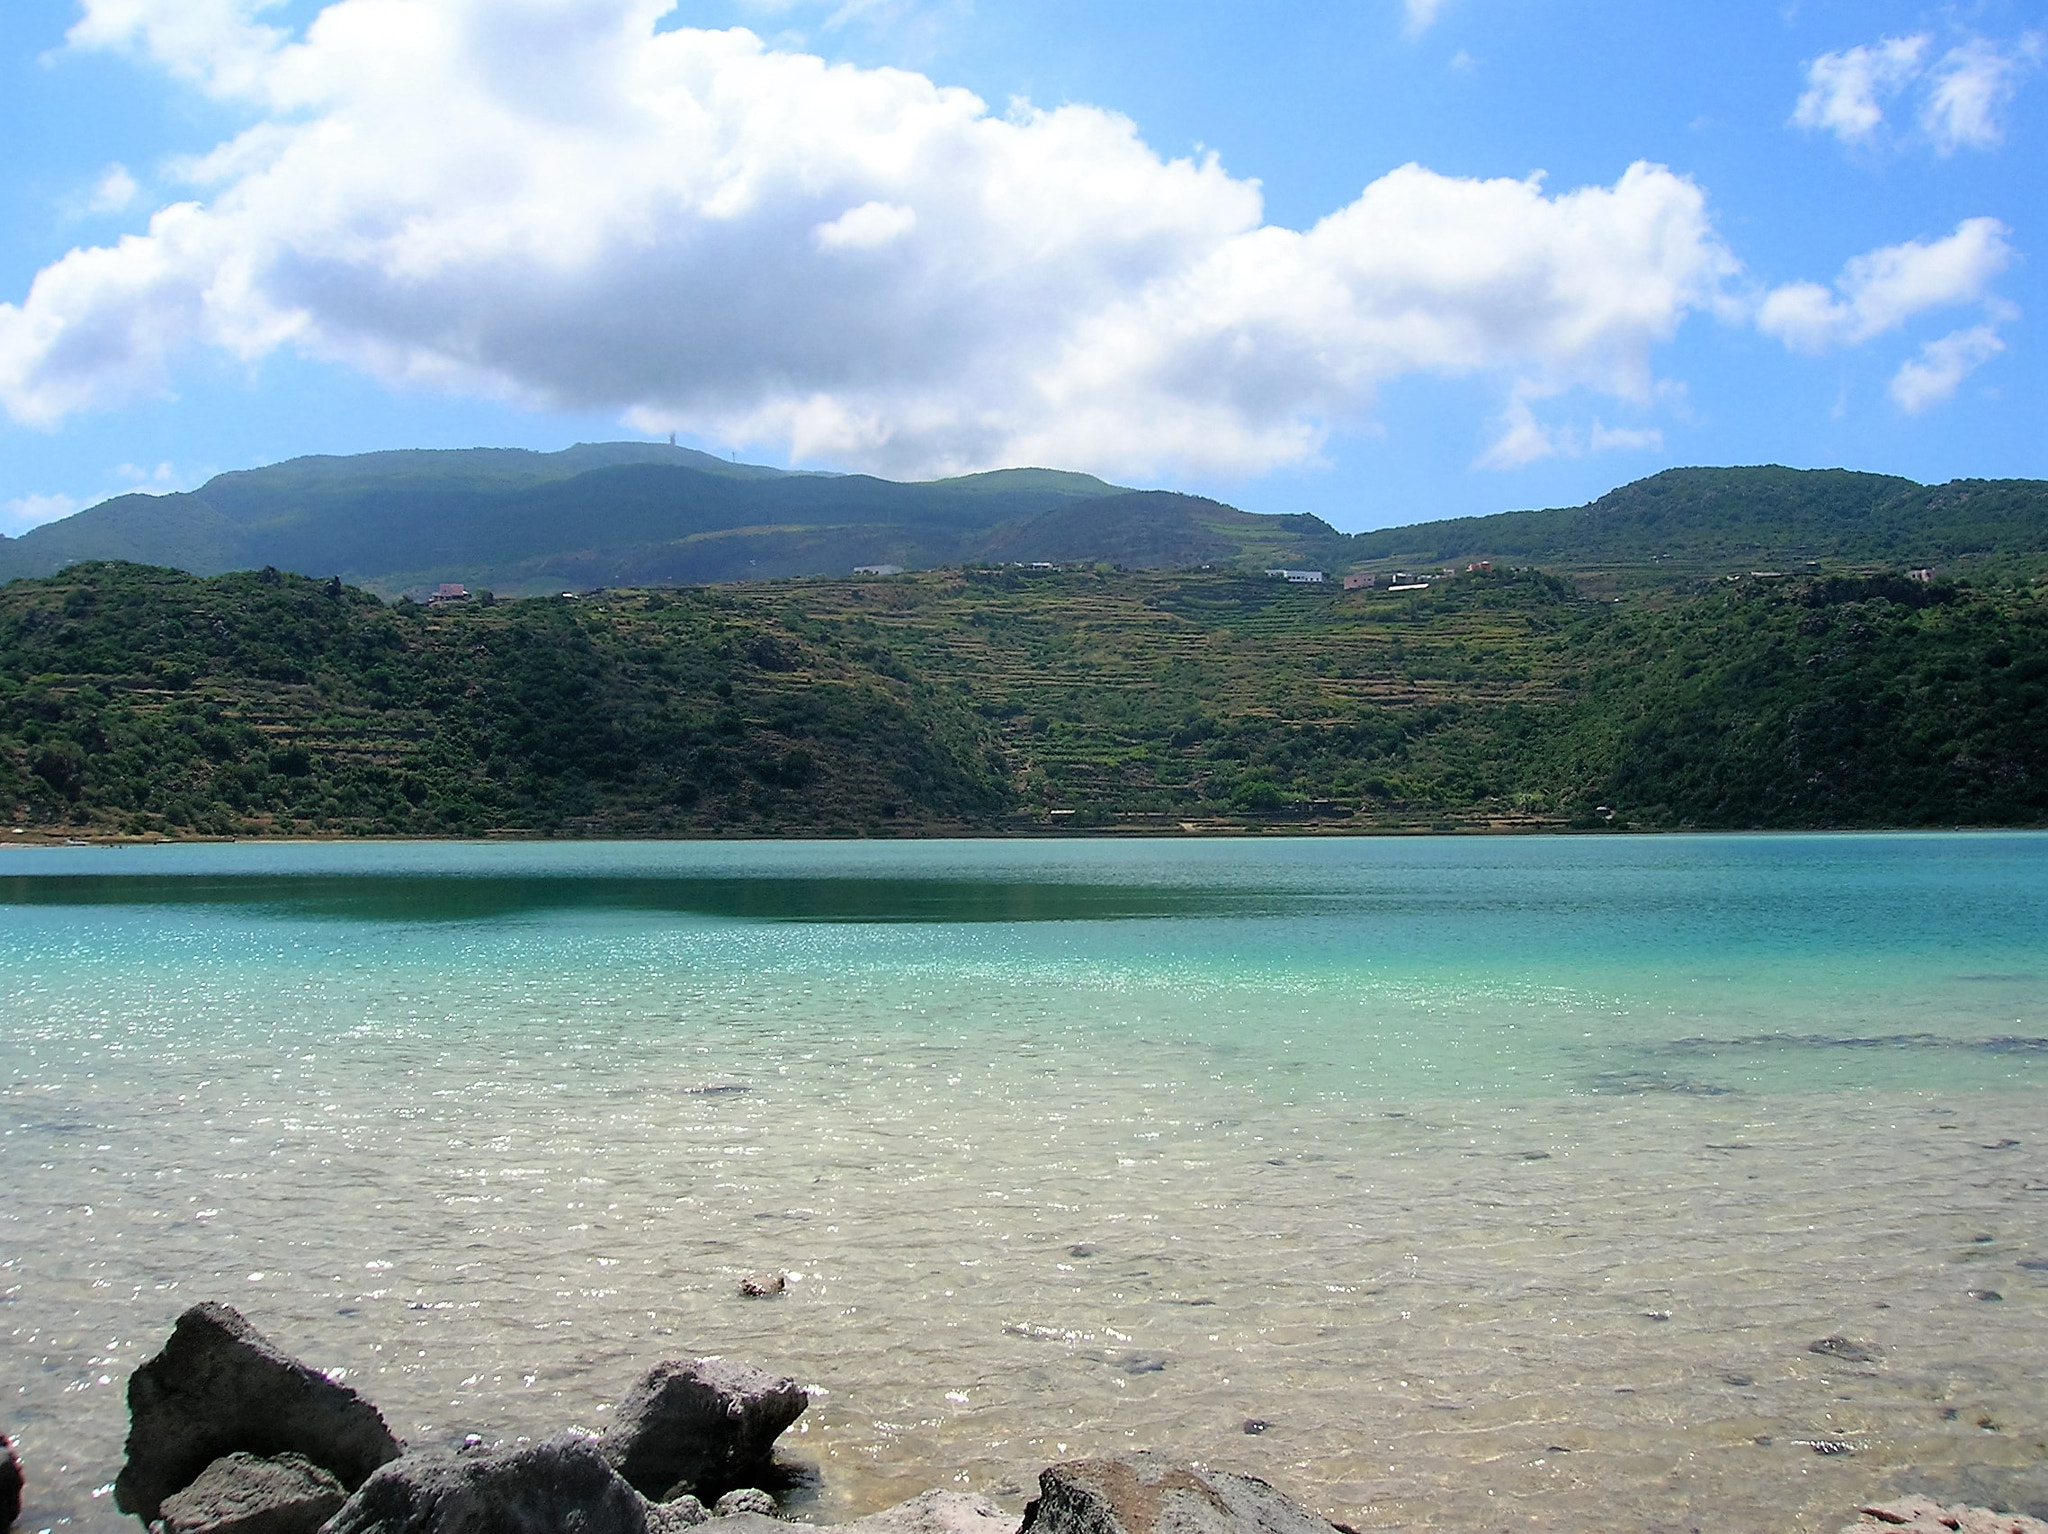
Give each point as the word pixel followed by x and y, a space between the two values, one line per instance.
pixel 633 514
pixel 1748 518
pixel 248 518
pixel 645 514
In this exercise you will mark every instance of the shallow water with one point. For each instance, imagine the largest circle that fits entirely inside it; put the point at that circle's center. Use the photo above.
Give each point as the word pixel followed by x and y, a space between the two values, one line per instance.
pixel 1505 1182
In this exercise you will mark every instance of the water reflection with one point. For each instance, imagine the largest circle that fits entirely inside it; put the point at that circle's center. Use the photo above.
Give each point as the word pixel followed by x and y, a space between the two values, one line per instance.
pixel 761 898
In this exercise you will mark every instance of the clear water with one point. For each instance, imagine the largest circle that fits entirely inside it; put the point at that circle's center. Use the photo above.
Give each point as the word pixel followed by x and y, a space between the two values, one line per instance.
pixel 1505 1182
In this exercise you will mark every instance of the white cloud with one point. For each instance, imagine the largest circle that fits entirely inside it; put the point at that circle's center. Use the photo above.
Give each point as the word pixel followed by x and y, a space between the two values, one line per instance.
pixel 26 511
pixel 548 201
pixel 867 227
pixel 1968 89
pixel 1844 91
pixel 1421 13
pixel 218 44
pixel 1881 291
pixel 160 480
pixel 1523 439
pixel 114 192
pixel 1933 376
pixel 1961 94
pixel 1626 439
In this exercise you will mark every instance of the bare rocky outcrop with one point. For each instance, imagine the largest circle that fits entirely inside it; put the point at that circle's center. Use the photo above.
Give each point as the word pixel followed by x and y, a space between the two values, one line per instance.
pixel 220 1386
pixel 564 1483
pixel 1924 1515
pixel 702 1426
pixel 1152 1494
pixel 250 1494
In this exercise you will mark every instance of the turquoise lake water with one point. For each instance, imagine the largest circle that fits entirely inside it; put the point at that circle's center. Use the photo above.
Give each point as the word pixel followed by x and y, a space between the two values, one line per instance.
pixel 1496 1182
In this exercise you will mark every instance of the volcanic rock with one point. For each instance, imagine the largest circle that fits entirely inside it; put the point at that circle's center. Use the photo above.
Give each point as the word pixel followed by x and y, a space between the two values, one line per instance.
pixel 218 1386
pixel 1151 1494
pixel 745 1499
pixel 11 1482
pixel 702 1426
pixel 680 1515
pixel 684 1510
pixel 246 1494
pixel 564 1483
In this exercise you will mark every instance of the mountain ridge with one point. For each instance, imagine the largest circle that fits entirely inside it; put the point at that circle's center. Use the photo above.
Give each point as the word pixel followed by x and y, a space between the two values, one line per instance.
pixel 608 514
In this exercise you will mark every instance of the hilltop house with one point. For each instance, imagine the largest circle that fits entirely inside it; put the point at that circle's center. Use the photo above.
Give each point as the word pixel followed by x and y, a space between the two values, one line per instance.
pixel 1299 577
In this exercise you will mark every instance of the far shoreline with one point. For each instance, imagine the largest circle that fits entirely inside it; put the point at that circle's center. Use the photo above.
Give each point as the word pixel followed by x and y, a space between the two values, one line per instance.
pixel 46 841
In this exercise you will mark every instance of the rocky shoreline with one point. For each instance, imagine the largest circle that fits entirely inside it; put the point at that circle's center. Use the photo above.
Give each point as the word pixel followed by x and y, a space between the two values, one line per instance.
pixel 229 1434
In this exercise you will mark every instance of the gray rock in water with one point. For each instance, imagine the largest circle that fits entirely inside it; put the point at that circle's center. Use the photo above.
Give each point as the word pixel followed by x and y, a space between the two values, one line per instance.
pixel 1150 1494
pixel 11 1483
pixel 745 1499
pixel 563 1484
pixel 701 1426
pixel 1844 1348
pixel 247 1494
pixel 218 1386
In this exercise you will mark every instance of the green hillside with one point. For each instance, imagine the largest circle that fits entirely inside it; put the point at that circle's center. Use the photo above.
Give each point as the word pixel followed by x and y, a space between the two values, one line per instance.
pixel 1711 521
pixel 645 514
pixel 147 701
pixel 137 699
pixel 633 514
pixel 1835 702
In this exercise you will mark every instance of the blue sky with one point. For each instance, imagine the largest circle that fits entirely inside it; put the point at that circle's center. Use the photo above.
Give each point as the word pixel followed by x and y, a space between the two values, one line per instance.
pixel 1383 260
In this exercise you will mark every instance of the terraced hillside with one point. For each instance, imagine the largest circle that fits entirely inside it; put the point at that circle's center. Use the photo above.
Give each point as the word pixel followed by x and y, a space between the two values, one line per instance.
pixel 1209 698
pixel 137 701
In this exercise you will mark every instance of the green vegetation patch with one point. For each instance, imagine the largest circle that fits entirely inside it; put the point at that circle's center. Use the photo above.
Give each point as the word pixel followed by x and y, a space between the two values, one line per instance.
pixel 140 700
pixel 143 701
